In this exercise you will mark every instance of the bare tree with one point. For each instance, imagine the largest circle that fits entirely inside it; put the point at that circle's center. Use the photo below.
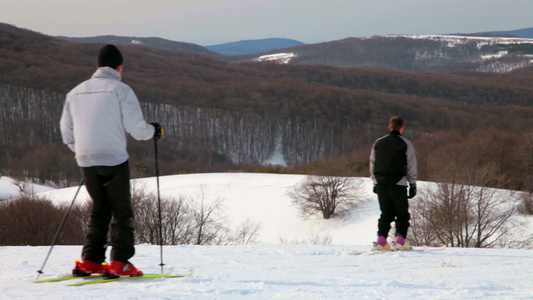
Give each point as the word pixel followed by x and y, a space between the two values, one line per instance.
pixel 177 226
pixel 207 219
pixel 146 215
pixel 313 238
pixel 247 232
pixel 526 205
pixel 329 195
pixel 176 216
pixel 421 231
pixel 192 219
pixel 528 157
pixel 462 216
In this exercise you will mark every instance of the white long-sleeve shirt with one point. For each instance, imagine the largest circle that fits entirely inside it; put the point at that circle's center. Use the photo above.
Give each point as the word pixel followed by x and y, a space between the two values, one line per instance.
pixel 96 117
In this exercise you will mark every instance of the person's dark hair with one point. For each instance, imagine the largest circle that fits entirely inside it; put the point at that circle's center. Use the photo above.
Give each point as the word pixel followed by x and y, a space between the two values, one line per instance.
pixel 396 123
pixel 110 56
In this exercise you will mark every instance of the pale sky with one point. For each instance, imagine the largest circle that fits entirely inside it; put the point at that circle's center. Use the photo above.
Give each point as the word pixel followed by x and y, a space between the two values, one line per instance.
pixel 209 22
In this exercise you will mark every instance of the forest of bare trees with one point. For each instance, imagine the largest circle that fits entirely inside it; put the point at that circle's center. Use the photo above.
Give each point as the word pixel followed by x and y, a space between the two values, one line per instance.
pixel 32 143
pixel 207 139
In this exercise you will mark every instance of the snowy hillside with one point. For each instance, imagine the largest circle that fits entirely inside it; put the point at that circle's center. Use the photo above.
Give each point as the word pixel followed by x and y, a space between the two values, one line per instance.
pixel 414 52
pixel 282 58
pixel 9 189
pixel 491 59
pixel 273 269
pixel 262 198
pixel 454 40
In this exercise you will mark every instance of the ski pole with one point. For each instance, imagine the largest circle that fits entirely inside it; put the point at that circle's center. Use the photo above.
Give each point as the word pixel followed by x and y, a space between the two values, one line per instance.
pixel 159 206
pixel 59 230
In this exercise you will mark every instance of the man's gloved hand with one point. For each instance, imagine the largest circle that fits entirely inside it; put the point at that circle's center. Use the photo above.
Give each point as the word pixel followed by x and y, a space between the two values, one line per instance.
pixel 412 190
pixel 158 130
pixel 375 189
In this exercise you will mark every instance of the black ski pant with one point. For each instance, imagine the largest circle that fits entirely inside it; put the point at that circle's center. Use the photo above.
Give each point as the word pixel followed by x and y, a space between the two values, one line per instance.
pixel 394 207
pixel 109 188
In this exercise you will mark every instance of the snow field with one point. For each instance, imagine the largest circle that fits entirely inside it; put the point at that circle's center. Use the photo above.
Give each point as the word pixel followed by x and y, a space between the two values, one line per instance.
pixel 271 269
pixel 283 272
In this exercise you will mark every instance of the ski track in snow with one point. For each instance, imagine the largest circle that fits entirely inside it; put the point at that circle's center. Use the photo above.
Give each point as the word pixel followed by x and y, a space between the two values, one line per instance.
pixel 271 269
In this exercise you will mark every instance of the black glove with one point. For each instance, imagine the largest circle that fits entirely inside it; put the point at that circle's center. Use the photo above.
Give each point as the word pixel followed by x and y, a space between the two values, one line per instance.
pixel 158 133
pixel 375 189
pixel 412 190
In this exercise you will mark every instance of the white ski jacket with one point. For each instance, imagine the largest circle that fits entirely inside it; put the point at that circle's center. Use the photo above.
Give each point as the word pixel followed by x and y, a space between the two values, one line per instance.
pixel 96 117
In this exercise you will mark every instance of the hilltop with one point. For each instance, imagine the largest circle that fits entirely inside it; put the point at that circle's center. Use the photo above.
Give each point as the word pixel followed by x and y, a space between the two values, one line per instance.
pixel 142 41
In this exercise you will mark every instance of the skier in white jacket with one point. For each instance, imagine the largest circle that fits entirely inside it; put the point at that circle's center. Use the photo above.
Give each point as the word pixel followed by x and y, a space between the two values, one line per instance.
pixel 97 115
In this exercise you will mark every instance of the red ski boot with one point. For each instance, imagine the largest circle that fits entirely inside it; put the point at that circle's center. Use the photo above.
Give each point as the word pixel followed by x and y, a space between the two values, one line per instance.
pixel 86 268
pixel 116 269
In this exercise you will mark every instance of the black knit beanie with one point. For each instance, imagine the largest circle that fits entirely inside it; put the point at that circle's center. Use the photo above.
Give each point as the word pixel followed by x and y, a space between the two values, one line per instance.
pixel 110 56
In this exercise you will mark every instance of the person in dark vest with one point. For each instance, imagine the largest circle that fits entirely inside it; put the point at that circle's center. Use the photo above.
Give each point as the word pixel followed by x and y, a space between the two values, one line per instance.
pixel 97 116
pixel 393 169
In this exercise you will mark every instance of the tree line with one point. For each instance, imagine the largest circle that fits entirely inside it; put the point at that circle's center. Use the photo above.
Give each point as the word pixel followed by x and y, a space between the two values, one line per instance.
pixel 207 139
pixel 32 147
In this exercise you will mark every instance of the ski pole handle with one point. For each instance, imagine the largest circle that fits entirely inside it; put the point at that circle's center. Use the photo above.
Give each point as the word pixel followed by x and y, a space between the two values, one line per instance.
pixel 159 130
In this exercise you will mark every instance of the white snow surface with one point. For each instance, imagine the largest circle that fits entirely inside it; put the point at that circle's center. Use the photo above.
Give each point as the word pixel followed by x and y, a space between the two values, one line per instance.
pixel 8 189
pixel 459 39
pixel 272 269
pixel 282 58
pixel 277 157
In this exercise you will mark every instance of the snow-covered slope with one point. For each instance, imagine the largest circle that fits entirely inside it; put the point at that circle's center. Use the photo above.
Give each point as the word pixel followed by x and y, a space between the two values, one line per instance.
pixel 9 188
pixel 272 269
pixel 414 52
pixel 282 58
pixel 262 198
pixel 454 40
pixel 283 272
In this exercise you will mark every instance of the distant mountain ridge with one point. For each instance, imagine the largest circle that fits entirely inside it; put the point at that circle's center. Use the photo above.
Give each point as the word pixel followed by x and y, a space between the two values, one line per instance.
pixel 253 46
pixel 150 41
pixel 497 51
pixel 411 52
pixel 524 33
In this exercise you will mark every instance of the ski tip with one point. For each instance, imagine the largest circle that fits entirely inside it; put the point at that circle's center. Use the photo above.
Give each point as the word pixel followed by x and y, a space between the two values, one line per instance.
pixel 189 272
pixel 168 271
